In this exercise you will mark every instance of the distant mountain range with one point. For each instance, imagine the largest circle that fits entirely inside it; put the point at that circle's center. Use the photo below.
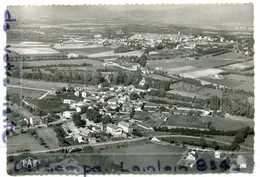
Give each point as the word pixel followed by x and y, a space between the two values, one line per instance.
pixel 223 17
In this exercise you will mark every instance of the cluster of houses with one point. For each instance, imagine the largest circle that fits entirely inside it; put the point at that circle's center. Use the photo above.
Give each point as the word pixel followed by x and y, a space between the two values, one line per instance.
pixel 237 162
pixel 115 97
pixel 115 103
pixel 83 135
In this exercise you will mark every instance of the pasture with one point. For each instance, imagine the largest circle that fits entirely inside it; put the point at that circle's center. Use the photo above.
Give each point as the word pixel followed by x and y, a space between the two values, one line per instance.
pixel 43 63
pixel 87 51
pixel 23 141
pixel 190 68
pixel 185 87
pixel 49 137
pixel 33 48
pixel 185 121
pixel 227 123
pixel 25 92
pixel 145 148
pixel 37 84
pixel 187 94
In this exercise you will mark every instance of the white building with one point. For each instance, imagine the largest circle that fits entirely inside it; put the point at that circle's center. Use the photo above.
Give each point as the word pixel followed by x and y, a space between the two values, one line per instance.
pixel 68 114
pixel 84 94
pixel 67 101
pixel 241 161
pixel 78 109
pixel 112 101
pixel 76 93
pixel 125 127
pixel 217 154
pixel 113 130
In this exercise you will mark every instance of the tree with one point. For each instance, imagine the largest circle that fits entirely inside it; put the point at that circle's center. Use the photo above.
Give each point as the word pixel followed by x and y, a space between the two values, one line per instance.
pixel 215 145
pixel 133 96
pixel 78 121
pixel 132 113
pixel 87 149
pixel 107 120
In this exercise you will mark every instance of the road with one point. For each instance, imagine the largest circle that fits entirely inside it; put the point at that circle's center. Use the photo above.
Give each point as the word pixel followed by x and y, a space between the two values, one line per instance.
pixel 195 137
pixel 80 146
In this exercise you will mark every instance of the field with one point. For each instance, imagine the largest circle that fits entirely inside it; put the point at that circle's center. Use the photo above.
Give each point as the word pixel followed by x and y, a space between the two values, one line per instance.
pixel 57 62
pixel 228 123
pixel 249 141
pixel 192 89
pixel 37 84
pixel 223 138
pixel 33 48
pixel 49 137
pixel 144 147
pixel 25 141
pixel 234 81
pixel 187 94
pixel 87 51
pixel 111 53
pixel 202 67
pixel 25 92
pixel 239 65
pixel 48 105
pixel 185 121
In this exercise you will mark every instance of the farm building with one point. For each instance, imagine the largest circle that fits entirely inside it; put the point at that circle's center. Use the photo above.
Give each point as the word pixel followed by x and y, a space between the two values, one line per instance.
pixel 241 161
pixel 125 126
pixel 114 130
pixel 68 114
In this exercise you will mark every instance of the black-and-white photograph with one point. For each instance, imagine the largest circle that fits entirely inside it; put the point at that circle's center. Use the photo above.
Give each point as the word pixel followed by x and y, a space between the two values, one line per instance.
pixel 130 89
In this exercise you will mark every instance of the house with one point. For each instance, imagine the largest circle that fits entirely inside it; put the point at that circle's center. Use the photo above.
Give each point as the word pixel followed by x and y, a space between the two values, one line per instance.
pixel 36 120
pixel 108 113
pixel 78 109
pixel 76 104
pixel 84 94
pixel 142 82
pixel 241 161
pixel 67 101
pixel 135 67
pixel 138 108
pixel 112 101
pixel 111 106
pixel 76 93
pixel 114 130
pixel 144 126
pixel 100 125
pixel 217 154
pixel 68 114
pixel 191 156
pixel 80 139
pixel 154 139
pixel 125 126
pixel 92 140
pixel 84 131
pixel 111 88
pixel 96 129
pixel 126 108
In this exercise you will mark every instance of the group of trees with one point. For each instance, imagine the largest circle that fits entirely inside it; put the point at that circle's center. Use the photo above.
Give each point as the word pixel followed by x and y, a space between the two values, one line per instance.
pixel 60 134
pixel 76 118
pixel 93 115
pixel 67 76
pixel 157 83
pixel 240 136
pixel 135 59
